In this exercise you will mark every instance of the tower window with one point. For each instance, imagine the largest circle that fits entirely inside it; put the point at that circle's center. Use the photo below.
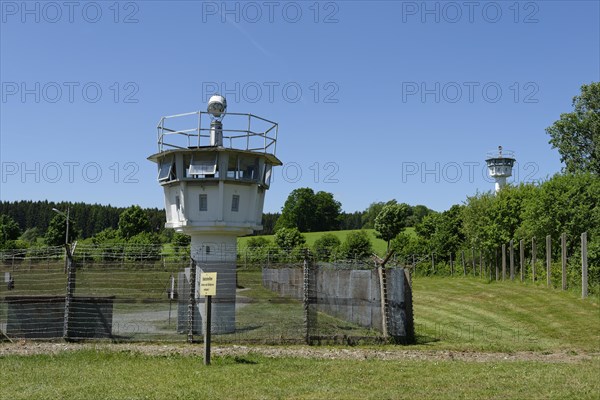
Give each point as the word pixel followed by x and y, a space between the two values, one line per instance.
pixel 248 168
pixel 166 170
pixel 235 203
pixel 177 203
pixel 203 202
pixel 203 166
pixel 267 175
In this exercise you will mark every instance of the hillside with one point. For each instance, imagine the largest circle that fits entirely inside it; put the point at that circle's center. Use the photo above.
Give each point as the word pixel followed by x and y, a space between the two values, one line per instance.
pixel 379 246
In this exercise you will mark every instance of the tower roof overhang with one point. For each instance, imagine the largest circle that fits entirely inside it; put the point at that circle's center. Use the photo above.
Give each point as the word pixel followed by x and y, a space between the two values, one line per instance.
pixel 270 158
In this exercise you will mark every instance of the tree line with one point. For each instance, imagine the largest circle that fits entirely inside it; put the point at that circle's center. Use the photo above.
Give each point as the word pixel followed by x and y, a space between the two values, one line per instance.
pixel 89 219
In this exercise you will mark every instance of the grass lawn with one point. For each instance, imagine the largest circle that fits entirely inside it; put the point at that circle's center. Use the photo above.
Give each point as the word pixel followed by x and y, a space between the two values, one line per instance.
pixel 473 315
pixel 452 315
pixel 91 374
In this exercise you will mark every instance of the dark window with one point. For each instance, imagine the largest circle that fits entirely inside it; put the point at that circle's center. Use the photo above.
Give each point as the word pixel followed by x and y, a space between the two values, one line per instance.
pixel 166 170
pixel 235 203
pixel 203 202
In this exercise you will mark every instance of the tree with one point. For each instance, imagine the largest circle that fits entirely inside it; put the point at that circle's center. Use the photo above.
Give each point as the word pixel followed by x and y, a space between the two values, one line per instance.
pixel 257 249
pixel 144 246
pixel 327 212
pixel 406 245
pixel 257 242
pixel 268 222
pixel 417 214
pixel 298 211
pixel 369 215
pixel 326 246
pixel 357 245
pixel 105 236
pixel 351 221
pixel 9 229
pixel 133 221
pixel 441 233
pixel 111 243
pixel 55 234
pixel 564 203
pixel 180 240
pixel 289 238
pixel 31 235
pixel 390 221
pixel 576 135
pixel 309 212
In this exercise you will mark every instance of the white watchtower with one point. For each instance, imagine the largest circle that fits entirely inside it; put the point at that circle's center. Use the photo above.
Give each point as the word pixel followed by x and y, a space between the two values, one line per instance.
pixel 500 166
pixel 214 182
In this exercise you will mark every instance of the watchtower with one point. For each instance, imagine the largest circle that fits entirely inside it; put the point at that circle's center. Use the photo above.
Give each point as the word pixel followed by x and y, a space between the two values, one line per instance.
pixel 500 166
pixel 214 182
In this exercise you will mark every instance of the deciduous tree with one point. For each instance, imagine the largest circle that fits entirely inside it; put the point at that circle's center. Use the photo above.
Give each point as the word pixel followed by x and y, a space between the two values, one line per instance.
pixel 576 135
pixel 390 221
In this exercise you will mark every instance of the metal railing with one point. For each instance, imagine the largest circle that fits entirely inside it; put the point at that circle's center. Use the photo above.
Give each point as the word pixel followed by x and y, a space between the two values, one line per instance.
pixel 246 132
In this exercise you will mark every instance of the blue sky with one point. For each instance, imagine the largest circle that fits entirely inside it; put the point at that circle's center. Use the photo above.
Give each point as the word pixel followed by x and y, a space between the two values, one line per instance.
pixel 375 100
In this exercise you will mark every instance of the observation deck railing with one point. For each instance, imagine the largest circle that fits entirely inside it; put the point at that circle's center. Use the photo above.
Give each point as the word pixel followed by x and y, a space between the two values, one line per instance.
pixel 240 131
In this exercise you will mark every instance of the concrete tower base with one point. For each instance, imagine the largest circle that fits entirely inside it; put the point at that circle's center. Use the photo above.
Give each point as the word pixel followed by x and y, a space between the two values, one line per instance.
pixel 218 253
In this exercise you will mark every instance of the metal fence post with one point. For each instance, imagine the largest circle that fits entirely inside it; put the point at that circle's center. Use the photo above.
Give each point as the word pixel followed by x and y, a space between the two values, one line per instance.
pixel 192 301
pixel 383 300
pixel 309 298
pixel 69 292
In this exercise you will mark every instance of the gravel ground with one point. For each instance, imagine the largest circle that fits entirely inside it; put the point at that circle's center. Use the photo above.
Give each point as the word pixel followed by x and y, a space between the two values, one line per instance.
pixel 23 347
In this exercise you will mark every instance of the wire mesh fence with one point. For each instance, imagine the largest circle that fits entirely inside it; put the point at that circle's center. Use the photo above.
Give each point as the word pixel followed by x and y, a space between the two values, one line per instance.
pixel 138 294
pixel 549 261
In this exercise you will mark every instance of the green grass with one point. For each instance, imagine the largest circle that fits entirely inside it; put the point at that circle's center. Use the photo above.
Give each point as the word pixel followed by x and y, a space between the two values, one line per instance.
pixel 451 314
pixel 110 375
pixel 470 314
pixel 379 246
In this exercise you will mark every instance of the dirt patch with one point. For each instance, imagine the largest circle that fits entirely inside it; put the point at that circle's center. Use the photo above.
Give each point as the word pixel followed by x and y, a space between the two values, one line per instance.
pixel 32 348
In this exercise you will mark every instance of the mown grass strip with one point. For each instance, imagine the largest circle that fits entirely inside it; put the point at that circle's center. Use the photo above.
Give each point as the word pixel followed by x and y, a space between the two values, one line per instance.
pixel 470 314
pixel 111 375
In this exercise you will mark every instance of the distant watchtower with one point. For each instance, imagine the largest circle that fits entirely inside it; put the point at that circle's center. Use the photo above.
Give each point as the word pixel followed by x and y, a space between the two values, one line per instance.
pixel 214 183
pixel 500 166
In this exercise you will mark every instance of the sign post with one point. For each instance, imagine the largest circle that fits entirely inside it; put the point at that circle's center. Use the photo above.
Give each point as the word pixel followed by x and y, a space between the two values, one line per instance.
pixel 208 288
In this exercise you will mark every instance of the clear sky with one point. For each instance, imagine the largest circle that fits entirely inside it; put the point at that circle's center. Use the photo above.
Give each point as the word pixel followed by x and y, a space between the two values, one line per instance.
pixel 375 99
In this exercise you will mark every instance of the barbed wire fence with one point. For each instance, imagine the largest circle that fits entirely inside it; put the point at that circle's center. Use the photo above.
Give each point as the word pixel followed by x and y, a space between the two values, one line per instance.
pixel 143 293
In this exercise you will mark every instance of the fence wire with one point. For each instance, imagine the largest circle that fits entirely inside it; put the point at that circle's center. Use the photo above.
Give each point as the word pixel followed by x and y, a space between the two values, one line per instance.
pixel 141 296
